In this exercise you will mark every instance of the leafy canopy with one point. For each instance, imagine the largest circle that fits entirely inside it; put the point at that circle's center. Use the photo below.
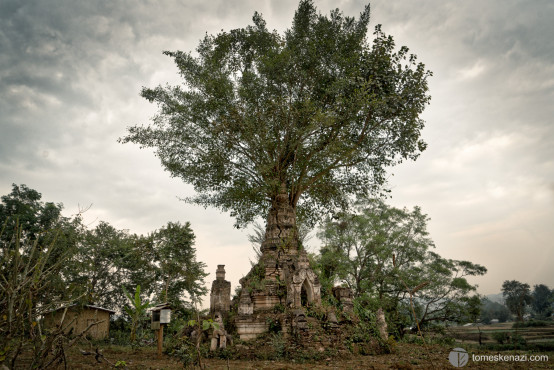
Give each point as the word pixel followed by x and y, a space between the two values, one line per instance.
pixel 319 111
pixel 517 295
pixel 383 253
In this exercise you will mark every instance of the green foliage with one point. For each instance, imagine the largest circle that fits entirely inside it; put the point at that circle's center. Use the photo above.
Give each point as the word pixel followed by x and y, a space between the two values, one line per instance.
pixel 543 298
pixel 382 253
pixel 531 324
pixel 163 263
pixel 48 261
pixel 179 271
pixel 183 349
pixel 515 339
pixel 102 265
pixel 28 269
pixel 137 311
pixel 317 110
pixel 517 296
pixel 493 310
pixel 278 344
pixel 358 247
pixel 316 311
pixel 40 225
pixel 500 336
pixel 274 325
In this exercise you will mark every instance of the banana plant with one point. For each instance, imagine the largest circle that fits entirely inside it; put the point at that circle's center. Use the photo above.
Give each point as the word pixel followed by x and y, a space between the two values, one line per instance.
pixel 137 311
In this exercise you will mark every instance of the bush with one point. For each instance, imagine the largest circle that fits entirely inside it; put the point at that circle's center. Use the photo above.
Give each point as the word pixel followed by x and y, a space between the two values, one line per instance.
pixel 531 324
pixel 500 337
pixel 183 349
pixel 274 325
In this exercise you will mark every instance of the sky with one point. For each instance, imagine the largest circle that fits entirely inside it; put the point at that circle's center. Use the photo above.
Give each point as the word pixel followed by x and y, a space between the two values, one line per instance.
pixel 71 72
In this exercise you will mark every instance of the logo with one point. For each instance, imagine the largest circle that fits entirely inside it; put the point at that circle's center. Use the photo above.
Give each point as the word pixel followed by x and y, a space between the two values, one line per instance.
pixel 458 357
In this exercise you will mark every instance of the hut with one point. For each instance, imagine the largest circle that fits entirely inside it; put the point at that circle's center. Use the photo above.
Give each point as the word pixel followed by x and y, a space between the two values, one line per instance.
pixel 78 318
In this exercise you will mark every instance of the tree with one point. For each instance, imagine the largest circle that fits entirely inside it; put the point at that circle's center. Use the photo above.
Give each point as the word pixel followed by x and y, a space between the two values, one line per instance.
pixel 517 295
pixel 542 300
pixel 38 224
pixel 177 270
pixel 102 265
pixel 383 254
pixel 358 247
pixel 493 310
pixel 23 208
pixel 28 278
pixel 446 295
pixel 297 122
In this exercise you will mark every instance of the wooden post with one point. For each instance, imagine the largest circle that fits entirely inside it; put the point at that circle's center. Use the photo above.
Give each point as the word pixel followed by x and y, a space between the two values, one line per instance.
pixel 160 339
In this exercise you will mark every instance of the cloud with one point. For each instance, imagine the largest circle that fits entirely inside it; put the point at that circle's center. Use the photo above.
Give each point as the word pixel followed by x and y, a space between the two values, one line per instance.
pixel 71 72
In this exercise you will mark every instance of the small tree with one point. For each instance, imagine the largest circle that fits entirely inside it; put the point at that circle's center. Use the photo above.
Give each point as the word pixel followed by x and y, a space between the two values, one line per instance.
pixel 542 300
pixel 176 266
pixel 137 311
pixel 28 269
pixel 517 295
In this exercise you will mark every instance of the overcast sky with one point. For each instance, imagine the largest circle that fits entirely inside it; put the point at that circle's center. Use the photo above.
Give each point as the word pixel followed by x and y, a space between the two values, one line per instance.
pixel 71 72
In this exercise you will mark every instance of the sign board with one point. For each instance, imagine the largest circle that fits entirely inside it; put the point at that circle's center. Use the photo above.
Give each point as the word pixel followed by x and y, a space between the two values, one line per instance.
pixel 165 316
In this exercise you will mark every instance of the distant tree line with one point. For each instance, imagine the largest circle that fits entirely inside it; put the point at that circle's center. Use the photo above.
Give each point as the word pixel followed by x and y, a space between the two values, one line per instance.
pixel 519 299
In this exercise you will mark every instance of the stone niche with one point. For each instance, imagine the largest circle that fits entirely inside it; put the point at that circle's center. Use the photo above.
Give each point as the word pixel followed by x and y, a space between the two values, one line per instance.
pixel 220 296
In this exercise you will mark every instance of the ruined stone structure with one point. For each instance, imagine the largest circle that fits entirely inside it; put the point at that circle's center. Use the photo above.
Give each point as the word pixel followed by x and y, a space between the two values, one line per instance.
pixel 220 296
pixel 282 278
pixel 344 296
pixel 219 335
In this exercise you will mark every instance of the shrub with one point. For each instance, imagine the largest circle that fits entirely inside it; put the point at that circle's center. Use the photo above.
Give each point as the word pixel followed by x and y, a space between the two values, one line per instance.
pixel 531 324
pixel 500 337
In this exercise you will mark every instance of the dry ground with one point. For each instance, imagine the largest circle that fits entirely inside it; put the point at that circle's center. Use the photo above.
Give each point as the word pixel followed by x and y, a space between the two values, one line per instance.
pixel 406 356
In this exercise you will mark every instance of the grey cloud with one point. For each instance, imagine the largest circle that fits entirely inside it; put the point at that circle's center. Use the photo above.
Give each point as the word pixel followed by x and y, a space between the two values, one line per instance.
pixel 71 72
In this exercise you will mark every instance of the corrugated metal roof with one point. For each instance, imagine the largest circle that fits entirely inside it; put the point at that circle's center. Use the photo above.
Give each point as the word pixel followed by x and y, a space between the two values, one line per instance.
pixel 92 307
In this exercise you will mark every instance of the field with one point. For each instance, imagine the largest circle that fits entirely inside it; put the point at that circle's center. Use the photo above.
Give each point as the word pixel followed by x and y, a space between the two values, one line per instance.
pixel 531 335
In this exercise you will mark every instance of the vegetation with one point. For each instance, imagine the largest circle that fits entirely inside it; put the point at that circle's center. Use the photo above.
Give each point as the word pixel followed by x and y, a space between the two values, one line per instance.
pixel 517 296
pixel 317 113
pixel 137 310
pixel 303 121
pixel 48 261
pixel 493 310
pixel 543 300
pixel 383 254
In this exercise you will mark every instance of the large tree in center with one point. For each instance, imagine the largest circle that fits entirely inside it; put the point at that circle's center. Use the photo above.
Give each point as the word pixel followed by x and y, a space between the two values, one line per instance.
pixel 287 124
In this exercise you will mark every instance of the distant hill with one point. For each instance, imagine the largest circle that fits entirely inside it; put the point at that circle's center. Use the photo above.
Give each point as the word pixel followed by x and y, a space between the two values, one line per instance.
pixel 498 298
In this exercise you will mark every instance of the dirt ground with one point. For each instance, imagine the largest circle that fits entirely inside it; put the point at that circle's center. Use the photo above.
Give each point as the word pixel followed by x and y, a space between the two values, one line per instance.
pixel 406 356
